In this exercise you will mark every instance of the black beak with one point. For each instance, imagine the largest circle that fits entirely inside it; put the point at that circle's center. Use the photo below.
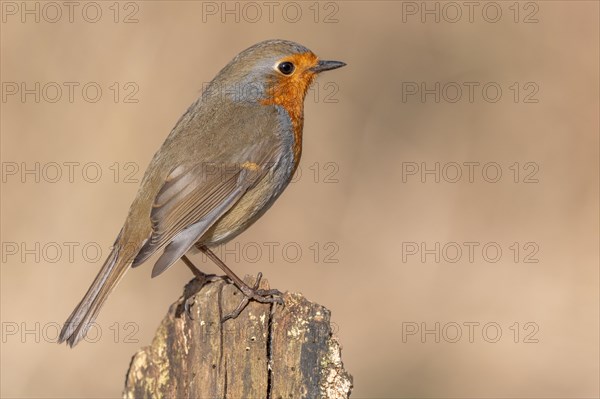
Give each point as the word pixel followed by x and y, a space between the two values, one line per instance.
pixel 327 66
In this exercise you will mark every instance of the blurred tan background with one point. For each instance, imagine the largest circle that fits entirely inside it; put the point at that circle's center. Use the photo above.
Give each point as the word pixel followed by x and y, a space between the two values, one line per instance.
pixel 359 201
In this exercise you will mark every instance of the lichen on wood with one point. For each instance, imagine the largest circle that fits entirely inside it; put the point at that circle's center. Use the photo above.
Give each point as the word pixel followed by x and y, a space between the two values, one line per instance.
pixel 270 351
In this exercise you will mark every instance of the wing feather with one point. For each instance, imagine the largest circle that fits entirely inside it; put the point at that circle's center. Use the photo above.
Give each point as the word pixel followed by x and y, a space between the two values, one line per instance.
pixel 193 197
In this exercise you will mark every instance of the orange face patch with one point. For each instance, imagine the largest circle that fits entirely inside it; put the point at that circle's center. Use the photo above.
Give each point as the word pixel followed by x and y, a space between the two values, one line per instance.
pixel 289 92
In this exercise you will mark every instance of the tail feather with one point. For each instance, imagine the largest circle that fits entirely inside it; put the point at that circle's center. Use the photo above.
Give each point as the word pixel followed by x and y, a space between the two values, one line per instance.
pixel 80 321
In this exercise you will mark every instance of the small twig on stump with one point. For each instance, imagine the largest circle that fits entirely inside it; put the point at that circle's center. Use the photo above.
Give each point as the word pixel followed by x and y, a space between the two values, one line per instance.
pixel 269 351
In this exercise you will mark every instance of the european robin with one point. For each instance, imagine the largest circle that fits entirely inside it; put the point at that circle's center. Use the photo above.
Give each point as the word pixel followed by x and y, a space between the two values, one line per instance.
pixel 225 162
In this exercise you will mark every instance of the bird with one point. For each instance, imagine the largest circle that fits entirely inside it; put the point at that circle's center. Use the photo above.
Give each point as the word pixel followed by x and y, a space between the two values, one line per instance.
pixel 222 166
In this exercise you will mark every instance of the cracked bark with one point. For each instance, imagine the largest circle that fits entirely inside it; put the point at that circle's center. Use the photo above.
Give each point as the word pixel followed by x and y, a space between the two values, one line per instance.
pixel 269 351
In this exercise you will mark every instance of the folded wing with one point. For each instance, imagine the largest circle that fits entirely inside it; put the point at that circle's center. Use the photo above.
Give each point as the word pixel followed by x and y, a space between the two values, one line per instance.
pixel 194 197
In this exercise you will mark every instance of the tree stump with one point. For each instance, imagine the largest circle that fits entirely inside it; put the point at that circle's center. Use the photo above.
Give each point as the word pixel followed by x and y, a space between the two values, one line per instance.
pixel 269 351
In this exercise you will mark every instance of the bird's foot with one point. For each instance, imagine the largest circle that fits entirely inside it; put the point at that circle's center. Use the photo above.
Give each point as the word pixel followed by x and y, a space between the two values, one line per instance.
pixel 255 294
pixel 193 287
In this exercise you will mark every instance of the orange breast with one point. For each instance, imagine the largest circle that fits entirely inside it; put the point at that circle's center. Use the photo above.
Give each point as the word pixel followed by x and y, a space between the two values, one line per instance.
pixel 289 92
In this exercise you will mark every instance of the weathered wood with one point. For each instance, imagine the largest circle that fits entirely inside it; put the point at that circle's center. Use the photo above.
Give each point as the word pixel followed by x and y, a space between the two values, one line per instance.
pixel 269 351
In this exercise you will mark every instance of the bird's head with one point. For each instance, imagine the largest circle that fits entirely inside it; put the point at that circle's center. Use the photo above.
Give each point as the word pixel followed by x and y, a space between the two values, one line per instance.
pixel 273 72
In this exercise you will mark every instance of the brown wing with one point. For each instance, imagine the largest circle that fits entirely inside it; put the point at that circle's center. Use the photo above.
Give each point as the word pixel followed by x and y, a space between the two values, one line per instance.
pixel 193 198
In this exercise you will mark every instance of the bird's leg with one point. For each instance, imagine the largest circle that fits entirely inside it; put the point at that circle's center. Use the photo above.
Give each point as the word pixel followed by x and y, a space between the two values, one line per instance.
pixel 194 286
pixel 259 295
pixel 200 275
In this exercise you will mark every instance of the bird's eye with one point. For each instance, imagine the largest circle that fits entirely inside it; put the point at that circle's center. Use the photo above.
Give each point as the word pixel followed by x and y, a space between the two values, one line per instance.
pixel 286 68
